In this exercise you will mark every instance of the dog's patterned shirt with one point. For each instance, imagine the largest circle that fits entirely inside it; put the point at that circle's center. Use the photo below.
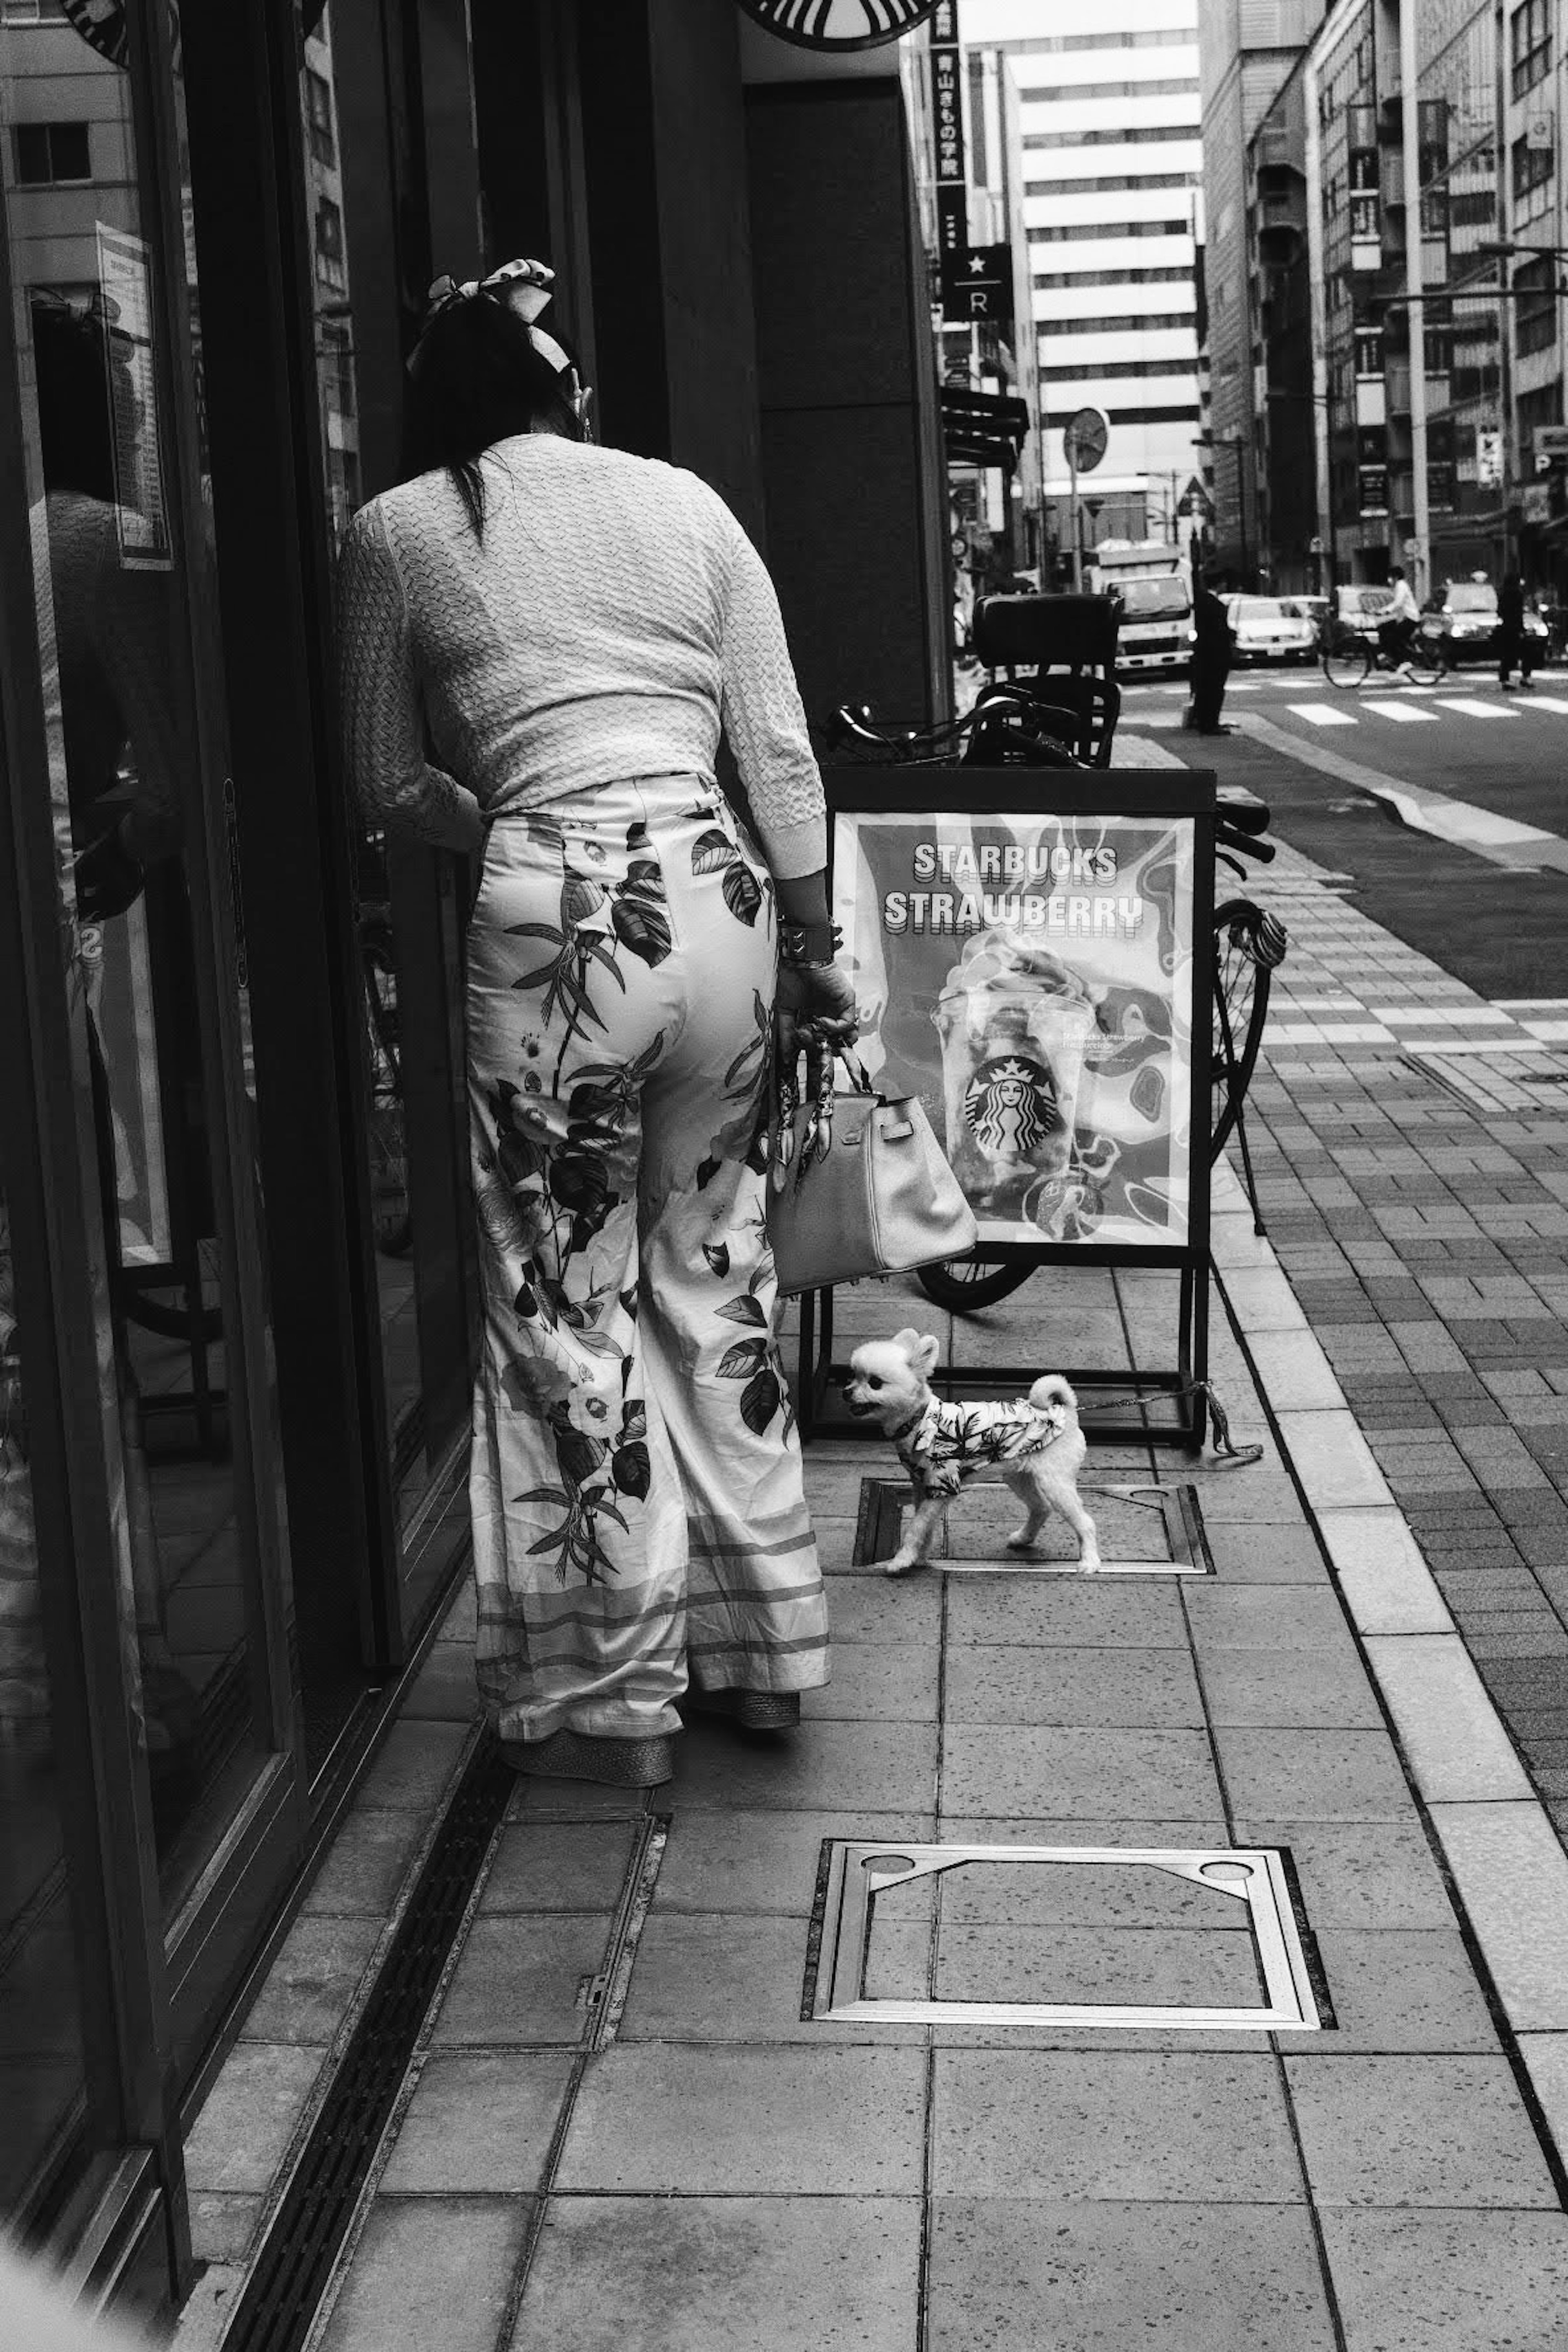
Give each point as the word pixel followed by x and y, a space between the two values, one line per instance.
pixel 953 1439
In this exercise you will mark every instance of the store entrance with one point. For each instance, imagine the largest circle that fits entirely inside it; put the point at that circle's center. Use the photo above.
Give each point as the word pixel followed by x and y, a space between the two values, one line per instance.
pixel 116 671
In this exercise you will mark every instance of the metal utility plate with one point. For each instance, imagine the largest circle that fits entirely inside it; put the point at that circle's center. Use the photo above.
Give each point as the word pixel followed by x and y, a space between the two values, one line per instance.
pixel 885 1501
pixel 855 1872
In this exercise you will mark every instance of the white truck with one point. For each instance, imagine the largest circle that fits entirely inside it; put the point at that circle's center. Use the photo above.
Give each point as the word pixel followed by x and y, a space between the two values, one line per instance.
pixel 1149 580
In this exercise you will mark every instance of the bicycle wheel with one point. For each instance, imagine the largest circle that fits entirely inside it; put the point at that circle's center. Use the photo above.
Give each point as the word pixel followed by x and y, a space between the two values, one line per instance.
pixel 1249 945
pixel 1347 656
pixel 1426 659
pixel 964 1285
pixel 167 1320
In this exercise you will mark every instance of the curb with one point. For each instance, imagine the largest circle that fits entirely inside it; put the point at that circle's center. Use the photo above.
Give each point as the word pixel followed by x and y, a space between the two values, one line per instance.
pixel 1504 1860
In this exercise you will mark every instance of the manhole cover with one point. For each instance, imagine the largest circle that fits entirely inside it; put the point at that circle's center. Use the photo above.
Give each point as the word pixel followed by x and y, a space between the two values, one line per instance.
pixel 1010 1934
pixel 1143 1530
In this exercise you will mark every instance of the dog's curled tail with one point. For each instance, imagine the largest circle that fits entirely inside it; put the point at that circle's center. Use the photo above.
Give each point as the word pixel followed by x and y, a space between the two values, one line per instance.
pixel 1052 1389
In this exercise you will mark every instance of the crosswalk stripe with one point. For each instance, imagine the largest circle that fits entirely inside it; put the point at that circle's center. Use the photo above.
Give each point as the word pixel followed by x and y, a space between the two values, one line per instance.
pixel 1474 710
pixel 1400 711
pixel 1545 702
pixel 1321 714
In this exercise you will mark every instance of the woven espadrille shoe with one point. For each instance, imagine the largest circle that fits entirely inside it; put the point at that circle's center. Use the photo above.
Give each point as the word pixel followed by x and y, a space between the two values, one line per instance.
pixel 752 1710
pixel 614 1763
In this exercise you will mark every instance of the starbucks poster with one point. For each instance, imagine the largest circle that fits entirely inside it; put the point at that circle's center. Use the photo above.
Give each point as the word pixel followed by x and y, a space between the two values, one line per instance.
pixel 1030 978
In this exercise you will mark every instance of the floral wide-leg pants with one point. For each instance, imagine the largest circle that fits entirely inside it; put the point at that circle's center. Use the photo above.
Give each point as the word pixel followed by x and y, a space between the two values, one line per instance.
pixel 638 1507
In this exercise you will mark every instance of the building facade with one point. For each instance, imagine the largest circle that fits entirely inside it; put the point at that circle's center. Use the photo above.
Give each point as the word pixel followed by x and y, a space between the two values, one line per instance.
pixel 1109 120
pixel 1434 384
pixel 1248 49
pixel 236 1262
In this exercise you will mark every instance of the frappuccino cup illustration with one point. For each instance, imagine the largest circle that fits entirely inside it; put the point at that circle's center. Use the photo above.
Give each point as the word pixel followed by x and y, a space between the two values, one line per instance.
pixel 1014 1022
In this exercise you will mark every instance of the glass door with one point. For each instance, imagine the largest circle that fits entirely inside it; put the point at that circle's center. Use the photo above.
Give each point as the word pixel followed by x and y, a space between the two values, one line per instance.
pixel 365 154
pixel 106 318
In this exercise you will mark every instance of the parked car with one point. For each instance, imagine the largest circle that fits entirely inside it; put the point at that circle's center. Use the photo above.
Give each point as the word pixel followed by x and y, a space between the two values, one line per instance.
pixel 1362 606
pixel 1270 629
pixel 1467 621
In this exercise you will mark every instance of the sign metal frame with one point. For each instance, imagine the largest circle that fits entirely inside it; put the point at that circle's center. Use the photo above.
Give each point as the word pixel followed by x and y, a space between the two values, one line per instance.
pixel 1175 1413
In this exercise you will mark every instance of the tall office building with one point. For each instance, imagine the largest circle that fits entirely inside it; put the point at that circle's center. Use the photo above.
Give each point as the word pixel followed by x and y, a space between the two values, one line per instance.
pixel 1108 118
pixel 1249 48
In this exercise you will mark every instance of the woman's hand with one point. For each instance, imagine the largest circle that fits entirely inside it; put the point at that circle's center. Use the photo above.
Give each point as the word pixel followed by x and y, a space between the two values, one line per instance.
pixel 816 1015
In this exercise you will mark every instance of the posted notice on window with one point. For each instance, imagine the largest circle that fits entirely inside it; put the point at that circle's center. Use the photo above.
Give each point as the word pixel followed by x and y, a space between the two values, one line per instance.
pixel 1030 979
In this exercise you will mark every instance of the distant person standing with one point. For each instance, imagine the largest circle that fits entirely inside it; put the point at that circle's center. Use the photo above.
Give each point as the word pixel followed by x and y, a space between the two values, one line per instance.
pixel 1213 646
pixel 1511 652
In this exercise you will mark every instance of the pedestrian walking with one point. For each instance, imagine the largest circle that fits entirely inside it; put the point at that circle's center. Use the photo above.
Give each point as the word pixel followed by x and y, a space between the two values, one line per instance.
pixel 1512 647
pixel 569 625
pixel 1213 646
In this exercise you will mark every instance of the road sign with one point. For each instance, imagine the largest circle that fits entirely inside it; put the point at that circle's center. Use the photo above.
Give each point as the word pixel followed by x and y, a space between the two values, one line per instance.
pixel 1084 441
pixel 977 284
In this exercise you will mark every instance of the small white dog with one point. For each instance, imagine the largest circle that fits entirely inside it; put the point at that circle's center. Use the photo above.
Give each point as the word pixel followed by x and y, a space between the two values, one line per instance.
pixel 1037 1446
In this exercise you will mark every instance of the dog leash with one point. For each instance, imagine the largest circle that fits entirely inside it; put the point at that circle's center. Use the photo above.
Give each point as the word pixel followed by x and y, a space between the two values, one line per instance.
pixel 1228 1456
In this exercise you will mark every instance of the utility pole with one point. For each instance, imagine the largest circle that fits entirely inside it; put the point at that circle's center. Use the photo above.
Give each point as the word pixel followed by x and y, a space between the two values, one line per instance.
pixel 1075 518
pixel 1415 287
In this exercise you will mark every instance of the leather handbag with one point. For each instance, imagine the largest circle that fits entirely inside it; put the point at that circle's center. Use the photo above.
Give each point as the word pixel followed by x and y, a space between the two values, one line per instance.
pixel 858 1186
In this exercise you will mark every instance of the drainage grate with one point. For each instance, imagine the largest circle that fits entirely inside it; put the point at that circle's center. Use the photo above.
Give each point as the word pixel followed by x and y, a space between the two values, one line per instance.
pixel 1507 1081
pixel 1144 1531
pixel 1239 1903
pixel 292 2269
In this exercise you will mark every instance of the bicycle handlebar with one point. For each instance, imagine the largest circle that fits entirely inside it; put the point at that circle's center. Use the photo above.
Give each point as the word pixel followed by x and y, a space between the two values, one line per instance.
pixel 1246 844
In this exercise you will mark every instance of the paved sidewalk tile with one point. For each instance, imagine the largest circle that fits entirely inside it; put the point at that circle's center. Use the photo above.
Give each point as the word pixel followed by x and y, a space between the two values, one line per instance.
pixel 1086 2125
pixel 1417 2131
pixel 718 2122
pixel 1449 2281
pixel 429 2270
pixel 724 2274
pixel 480 2121
pixel 1014 2275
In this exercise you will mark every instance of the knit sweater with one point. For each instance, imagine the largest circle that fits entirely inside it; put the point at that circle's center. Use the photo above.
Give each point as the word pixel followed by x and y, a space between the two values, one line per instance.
pixel 613 615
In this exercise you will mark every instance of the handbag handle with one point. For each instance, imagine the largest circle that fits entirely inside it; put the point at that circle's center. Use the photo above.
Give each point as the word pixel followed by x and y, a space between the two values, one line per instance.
pixel 817 1140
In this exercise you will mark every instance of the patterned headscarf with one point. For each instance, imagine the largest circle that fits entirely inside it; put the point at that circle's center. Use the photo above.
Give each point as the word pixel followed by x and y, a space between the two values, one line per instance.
pixel 521 286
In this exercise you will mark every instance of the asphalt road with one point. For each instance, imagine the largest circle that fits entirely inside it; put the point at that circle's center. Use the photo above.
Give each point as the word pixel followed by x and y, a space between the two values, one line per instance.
pixel 1505 933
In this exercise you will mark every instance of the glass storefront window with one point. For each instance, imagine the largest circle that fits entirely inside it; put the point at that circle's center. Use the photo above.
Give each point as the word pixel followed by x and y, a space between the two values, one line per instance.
pixel 41 2058
pixel 406 913
pixel 138 822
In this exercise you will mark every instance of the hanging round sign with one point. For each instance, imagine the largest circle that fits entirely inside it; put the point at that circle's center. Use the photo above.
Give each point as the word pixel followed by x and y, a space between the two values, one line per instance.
pixel 101 25
pixel 839 24
pixel 1084 440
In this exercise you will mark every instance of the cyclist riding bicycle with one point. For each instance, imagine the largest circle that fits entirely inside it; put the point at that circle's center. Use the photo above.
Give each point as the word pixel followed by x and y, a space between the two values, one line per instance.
pixel 1400 621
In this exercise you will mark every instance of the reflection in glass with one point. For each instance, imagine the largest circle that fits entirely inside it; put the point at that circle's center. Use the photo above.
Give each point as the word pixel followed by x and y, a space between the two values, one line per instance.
pixel 126 777
pixel 40 2033
pixel 395 891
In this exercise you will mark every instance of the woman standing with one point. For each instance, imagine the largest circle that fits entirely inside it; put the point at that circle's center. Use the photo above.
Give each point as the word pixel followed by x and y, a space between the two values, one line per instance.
pixel 564 628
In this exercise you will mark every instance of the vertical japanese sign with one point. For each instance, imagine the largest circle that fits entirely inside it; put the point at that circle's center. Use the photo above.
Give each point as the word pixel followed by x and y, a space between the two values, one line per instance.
pixel 125 279
pixel 947 111
pixel 1031 980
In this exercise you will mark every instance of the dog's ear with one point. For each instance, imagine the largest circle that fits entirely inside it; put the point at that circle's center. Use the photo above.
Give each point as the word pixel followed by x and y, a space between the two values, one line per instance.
pixel 909 1340
pixel 923 1355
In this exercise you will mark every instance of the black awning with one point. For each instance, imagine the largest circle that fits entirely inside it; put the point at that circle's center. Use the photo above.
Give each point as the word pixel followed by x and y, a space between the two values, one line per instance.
pixel 988 412
pixel 982 428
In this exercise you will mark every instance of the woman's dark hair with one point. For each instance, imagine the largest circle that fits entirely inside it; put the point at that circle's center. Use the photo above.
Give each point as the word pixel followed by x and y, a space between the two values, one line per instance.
pixel 477 378
pixel 76 412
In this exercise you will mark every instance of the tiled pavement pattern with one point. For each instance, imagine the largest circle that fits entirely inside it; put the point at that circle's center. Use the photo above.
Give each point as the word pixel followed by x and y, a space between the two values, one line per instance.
pixel 726 2176
pixel 1420 1208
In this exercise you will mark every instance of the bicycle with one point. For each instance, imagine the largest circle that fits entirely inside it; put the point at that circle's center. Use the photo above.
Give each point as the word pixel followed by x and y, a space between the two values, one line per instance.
pixel 1249 946
pixel 1350 655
